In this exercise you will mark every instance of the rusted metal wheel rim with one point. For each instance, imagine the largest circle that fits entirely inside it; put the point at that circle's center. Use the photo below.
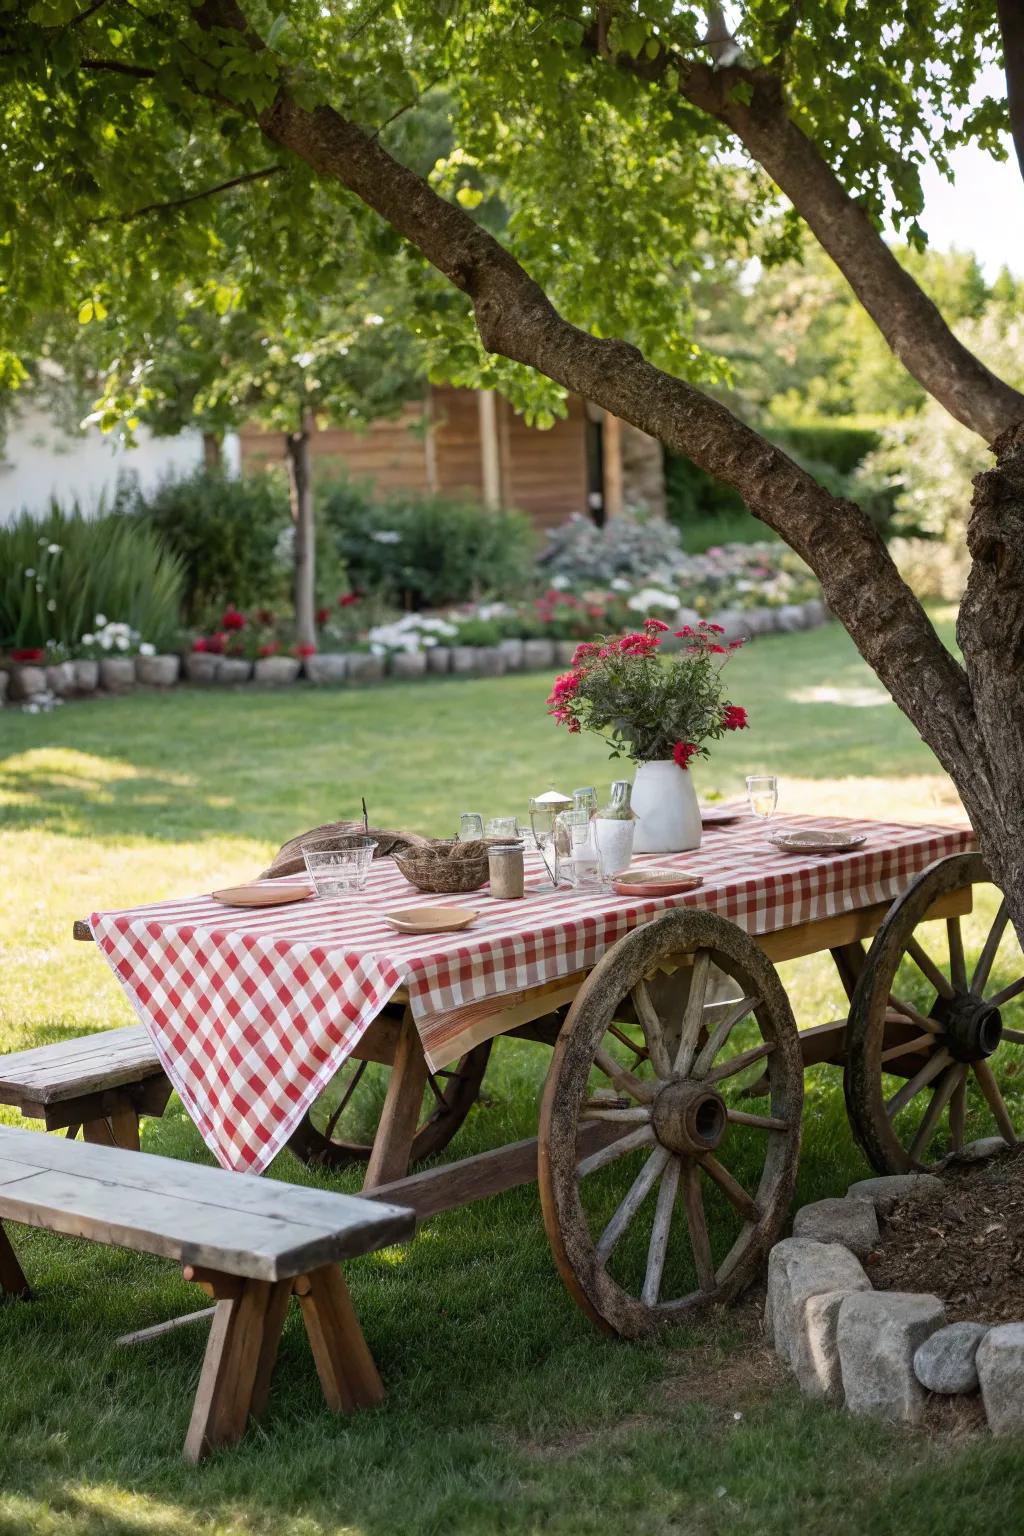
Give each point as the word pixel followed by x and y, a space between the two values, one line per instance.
pixel 682 1117
pixel 447 1099
pixel 915 1072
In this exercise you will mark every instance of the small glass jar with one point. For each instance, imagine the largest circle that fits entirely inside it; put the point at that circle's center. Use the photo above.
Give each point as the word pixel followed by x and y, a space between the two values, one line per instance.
pixel 507 869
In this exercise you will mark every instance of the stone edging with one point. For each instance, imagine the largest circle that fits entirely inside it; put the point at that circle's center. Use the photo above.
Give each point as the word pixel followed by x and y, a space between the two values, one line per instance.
pixel 40 686
pixel 881 1352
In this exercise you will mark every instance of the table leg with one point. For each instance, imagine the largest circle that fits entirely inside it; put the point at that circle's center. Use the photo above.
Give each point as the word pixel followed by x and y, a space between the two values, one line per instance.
pixel 392 1144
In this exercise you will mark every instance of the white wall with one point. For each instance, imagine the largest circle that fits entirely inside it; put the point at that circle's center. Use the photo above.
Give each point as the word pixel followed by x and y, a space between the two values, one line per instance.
pixel 38 461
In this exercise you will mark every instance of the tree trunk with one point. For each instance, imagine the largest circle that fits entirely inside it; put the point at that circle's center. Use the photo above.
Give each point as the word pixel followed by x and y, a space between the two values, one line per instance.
pixel 300 481
pixel 213 457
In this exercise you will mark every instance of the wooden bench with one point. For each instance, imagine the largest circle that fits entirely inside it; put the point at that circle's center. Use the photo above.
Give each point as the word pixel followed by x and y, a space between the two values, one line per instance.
pixel 99 1084
pixel 249 1243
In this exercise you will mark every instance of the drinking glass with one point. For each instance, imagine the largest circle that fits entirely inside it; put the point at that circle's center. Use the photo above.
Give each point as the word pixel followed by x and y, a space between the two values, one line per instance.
pixel 763 794
pixel 504 827
pixel 584 871
pixel 544 812
pixel 340 865
pixel 471 826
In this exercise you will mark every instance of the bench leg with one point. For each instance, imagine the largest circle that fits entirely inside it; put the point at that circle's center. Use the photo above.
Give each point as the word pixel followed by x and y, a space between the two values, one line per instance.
pixel 12 1276
pixel 240 1356
pixel 346 1368
pixel 119 1129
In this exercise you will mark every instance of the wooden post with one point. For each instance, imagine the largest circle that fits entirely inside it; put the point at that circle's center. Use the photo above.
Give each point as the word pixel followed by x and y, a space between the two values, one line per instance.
pixel 430 443
pixel 612 452
pixel 300 478
pixel 490 453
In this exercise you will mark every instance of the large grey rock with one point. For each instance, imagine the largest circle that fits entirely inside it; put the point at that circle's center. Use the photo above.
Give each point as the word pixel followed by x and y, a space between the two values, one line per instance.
pixel 980 1151
pixel 850 1222
pixel 117 673
pixel 439 658
pixel 202 666
pixel 236 669
pixel 565 650
pixel 60 678
pixel 464 658
pixel 945 1362
pixel 538 653
pixel 760 621
pixel 364 667
pixel 408 664
pixel 734 622
pixel 815 613
pixel 879 1334
pixel 277 671
pixel 491 663
pixel 790 617
pixel 799 1268
pixel 87 674
pixel 1000 1363
pixel 158 671
pixel 4 683
pixel 817 1365
pixel 512 650
pixel 27 682
pixel 330 667
pixel 887 1190
pixel 686 617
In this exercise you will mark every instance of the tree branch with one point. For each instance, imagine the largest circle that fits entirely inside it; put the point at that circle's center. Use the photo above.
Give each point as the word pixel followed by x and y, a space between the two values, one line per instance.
pixel 119 67
pixel 516 319
pixel 191 197
pixel 1011 25
pixel 908 319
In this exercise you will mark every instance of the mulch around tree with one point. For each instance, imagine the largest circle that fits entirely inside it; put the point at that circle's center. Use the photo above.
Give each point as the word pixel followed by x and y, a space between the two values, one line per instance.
pixel 965 1245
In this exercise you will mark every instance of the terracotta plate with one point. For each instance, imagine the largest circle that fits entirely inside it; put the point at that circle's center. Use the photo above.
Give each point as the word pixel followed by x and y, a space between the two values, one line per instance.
pixel 720 815
pixel 431 919
pixel 655 882
pixel 262 893
pixel 816 842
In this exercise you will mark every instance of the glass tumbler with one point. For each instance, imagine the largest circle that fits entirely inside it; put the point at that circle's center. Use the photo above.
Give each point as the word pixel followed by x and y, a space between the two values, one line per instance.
pixel 341 865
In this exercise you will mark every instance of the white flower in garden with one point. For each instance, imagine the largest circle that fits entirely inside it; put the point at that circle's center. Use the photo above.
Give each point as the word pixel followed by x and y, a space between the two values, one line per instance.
pixel 88 639
pixel 41 543
pixel 652 597
pixel 105 641
pixel 386 536
pixel 122 642
pixel 101 620
pixel 51 605
pixel 620 584
pixel 29 573
pixel 145 649
pixel 560 583
pixel 54 549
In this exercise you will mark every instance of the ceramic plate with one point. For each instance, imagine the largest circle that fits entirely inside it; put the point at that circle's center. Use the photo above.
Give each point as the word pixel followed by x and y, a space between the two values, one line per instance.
pixel 431 919
pixel 720 815
pixel 262 893
pixel 816 842
pixel 655 882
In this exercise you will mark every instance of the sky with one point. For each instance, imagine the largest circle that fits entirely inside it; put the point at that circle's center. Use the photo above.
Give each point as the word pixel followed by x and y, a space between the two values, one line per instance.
pixel 983 212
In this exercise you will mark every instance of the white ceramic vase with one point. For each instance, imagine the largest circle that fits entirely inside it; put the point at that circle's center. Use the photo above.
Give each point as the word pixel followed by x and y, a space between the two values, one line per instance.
pixel 665 801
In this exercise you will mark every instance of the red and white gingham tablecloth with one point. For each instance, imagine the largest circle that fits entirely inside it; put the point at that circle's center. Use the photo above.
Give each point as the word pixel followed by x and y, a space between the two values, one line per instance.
pixel 253 1011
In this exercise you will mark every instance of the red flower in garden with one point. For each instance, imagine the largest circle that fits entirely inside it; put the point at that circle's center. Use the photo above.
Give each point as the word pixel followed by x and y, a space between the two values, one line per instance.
pixel 28 653
pixel 199 643
pixel 269 650
pixel 216 642
pixel 734 718
pixel 655 626
pixel 717 650
pixel 322 615
pixel 684 633
pixel 714 629
pixel 638 645
pixel 584 652
pixel 305 650
pixel 734 645
pixel 682 752
pixel 595 611
pixel 265 616
pixel 231 618
pixel 348 598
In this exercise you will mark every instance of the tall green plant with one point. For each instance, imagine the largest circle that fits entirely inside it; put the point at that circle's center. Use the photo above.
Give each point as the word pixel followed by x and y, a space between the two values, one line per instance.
pixel 58 571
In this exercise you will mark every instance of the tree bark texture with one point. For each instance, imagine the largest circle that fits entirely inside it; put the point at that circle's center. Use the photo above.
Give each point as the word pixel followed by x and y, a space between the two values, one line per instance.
pixel 1011 25
pixel 300 482
pixel 983 756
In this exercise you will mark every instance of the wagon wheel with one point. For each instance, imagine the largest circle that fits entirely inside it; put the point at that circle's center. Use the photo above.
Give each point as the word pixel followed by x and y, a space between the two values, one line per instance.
pixel 339 1128
pixel 721 1177
pixel 925 1048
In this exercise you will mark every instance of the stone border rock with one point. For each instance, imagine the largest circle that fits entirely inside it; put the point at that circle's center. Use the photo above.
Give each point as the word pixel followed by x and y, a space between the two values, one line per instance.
pixel 880 1352
pixel 38 687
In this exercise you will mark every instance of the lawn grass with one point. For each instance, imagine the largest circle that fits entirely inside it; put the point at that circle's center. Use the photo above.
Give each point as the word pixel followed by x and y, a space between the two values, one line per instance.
pixel 507 1412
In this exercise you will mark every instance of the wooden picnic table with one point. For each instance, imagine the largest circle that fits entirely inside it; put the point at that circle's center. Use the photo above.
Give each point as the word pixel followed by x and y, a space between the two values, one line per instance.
pixel 673 1043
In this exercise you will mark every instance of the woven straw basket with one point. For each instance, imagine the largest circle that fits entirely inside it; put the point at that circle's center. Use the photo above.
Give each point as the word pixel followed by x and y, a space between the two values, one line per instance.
pixel 445 866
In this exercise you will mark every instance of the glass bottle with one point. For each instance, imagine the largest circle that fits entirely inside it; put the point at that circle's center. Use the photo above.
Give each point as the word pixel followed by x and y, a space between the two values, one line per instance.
pixel 614 829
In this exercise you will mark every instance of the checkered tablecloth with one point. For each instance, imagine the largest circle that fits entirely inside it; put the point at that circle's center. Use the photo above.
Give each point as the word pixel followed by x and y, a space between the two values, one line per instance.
pixel 252 1012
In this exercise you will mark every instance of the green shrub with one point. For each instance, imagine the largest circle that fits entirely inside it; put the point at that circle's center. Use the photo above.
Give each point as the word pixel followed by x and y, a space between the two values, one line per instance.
pixel 58 571
pixel 228 535
pixel 424 552
pixel 837 444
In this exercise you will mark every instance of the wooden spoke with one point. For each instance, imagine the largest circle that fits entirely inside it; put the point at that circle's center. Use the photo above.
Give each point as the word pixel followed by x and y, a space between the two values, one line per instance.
pixel 699 1240
pixel 345 1099
pixel 941 1095
pixel 958 1112
pixel 644 1137
pixel 721 1032
pixel 910 1012
pixel 693 1018
pixel 635 1114
pixel 731 1188
pixel 996 1103
pixel 738 1063
pixel 1014 1036
pixel 641 1091
pixel 650 1022
pixel 957 963
pixel 660 1232
pixel 759 1122
pixel 931 1069
pixel 633 1200
pixel 983 969
pixel 908 1047
pixel 1008 993
pixel 926 965
pixel 620 1035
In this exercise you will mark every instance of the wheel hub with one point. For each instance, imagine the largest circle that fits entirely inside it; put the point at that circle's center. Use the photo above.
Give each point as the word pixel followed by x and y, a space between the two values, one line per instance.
pixel 688 1118
pixel 972 1027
